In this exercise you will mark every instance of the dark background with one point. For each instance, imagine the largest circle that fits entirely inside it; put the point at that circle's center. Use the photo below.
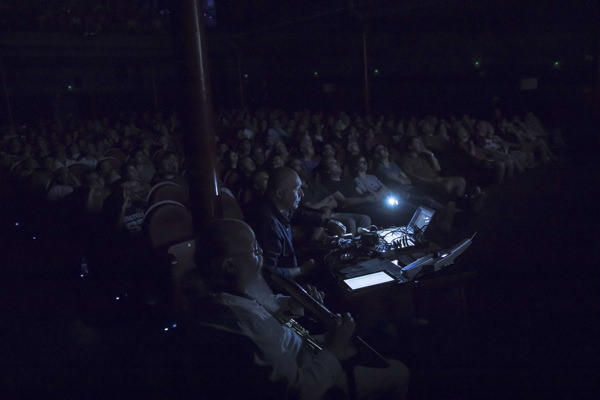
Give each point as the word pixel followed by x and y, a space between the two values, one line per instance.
pixel 533 309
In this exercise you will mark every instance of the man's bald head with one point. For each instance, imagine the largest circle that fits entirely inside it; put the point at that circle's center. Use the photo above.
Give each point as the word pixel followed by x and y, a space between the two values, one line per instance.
pixel 281 178
pixel 285 188
pixel 224 240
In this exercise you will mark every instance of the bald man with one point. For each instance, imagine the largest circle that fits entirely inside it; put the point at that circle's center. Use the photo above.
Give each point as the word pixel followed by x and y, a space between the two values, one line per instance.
pixel 271 222
pixel 234 277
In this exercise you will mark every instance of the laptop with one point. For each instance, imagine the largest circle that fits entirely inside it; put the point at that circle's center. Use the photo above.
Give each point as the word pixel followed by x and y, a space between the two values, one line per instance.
pixel 406 236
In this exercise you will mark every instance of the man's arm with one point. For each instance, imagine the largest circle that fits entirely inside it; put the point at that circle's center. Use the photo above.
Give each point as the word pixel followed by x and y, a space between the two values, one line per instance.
pixel 393 174
pixel 279 347
pixel 408 168
pixel 354 201
pixel 271 243
pixel 433 161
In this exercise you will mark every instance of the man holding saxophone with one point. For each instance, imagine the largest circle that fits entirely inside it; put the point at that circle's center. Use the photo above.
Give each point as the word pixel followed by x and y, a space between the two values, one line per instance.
pixel 310 367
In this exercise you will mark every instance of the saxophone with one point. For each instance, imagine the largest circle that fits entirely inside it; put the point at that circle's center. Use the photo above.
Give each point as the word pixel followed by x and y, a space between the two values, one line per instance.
pixel 313 343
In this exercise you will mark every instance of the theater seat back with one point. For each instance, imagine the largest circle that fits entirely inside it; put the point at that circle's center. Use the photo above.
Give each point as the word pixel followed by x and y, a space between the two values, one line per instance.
pixel 168 191
pixel 228 207
pixel 166 223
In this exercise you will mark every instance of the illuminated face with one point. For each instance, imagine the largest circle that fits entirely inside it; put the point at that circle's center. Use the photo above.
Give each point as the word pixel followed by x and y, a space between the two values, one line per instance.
pixel 333 167
pixel 362 165
pixel 417 145
pixel 381 152
pixel 328 151
pixel 247 254
pixel 277 162
pixel 247 165
pixel 353 148
pixel 281 149
pixel 291 194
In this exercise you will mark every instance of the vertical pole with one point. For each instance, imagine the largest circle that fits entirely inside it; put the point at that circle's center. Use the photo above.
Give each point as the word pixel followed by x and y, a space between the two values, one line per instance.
pixel 154 92
pixel 93 103
pixel 366 73
pixel 597 94
pixel 241 81
pixel 9 113
pixel 200 132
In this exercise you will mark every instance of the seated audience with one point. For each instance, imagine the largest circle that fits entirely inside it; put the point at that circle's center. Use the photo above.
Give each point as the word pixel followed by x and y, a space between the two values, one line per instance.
pixel 472 160
pixel 106 170
pixel 63 185
pixel 423 169
pixel 498 149
pixel 393 176
pixel 318 199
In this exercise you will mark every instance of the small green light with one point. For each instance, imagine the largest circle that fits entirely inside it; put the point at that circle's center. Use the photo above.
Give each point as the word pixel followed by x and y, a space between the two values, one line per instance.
pixel 376 71
pixel 477 63
pixel 556 63
pixel 315 73
pixel 246 76
pixel 70 87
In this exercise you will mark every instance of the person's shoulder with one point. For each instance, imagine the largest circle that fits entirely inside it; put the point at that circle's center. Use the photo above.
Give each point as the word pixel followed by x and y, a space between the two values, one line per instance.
pixel 262 216
pixel 261 207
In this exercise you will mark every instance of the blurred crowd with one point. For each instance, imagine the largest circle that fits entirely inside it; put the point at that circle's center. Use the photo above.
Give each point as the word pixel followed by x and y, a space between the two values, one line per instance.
pixel 78 198
pixel 84 17
pixel 351 162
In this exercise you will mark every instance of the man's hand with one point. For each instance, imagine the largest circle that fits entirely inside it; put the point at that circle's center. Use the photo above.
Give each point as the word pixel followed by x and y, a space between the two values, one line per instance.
pixel 330 202
pixel 338 338
pixel 336 228
pixel 315 293
pixel 307 266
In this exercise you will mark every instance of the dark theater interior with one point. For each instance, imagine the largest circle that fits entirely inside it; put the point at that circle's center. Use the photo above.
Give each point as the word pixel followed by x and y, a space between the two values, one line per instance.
pixel 284 199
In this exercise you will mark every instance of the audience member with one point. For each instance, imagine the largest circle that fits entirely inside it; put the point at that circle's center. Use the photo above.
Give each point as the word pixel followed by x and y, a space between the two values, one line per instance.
pixel 423 169
pixel 234 275
pixel 271 220
pixel 318 199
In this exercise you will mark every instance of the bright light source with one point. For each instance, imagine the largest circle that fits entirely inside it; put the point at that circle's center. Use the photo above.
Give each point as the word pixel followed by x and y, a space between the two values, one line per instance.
pixel 246 76
pixel 315 74
pixel 376 71
pixel 392 201
pixel 69 87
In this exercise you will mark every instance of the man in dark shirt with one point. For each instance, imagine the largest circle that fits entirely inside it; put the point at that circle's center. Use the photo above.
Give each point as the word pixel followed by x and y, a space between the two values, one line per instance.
pixel 271 222
pixel 423 169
